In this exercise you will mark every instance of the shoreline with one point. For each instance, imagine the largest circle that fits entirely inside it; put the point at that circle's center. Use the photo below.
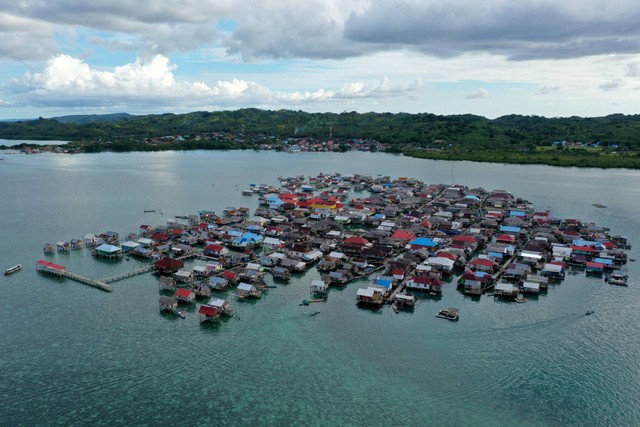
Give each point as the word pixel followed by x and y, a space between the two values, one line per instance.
pixel 628 161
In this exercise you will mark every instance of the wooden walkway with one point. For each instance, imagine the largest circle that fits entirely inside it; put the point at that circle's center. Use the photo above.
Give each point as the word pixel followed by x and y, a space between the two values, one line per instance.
pixel 396 291
pixel 364 274
pixel 86 280
pixel 503 268
pixel 102 284
pixel 127 274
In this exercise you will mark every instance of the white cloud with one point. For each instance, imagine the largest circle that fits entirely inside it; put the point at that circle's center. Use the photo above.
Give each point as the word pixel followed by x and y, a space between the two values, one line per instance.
pixel 66 80
pixel 611 85
pixel 547 89
pixel 70 76
pixel 633 69
pixel 479 94
pixel 24 38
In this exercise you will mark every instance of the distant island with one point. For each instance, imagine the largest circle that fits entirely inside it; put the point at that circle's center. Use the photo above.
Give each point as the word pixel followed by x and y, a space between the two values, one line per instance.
pixel 612 141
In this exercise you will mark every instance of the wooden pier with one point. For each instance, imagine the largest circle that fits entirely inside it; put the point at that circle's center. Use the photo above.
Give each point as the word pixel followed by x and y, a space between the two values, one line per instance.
pixel 61 271
pixel 127 274
pixel 87 281
pixel 363 274
pixel 102 284
pixel 503 268
pixel 391 298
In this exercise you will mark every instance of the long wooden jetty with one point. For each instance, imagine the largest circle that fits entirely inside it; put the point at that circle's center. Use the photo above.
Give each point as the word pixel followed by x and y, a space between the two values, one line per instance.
pixel 363 274
pixel 127 274
pixel 87 281
pixel 61 271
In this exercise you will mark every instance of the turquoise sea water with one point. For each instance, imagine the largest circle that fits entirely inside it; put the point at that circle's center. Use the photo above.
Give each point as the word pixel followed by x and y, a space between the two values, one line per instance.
pixel 72 355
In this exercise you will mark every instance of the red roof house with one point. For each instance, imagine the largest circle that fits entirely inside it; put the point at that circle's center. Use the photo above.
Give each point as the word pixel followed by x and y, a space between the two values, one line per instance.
pixel 356 240
pixel 482 264
pixel 159 237
pixel 185 295
pixel 168 265
pixel 207 312
pixel 505 238
pixel 403 235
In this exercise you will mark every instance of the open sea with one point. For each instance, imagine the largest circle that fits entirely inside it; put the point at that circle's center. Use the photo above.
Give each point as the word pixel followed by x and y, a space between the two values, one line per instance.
pixel 72 355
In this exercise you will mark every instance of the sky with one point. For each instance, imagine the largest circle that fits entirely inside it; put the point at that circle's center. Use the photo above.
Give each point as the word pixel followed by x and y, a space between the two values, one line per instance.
pixel 491 57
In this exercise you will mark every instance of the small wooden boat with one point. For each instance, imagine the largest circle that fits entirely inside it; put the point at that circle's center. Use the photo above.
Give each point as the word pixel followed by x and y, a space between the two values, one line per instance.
pixel 589 312
pixel 13 269
pixel 149 210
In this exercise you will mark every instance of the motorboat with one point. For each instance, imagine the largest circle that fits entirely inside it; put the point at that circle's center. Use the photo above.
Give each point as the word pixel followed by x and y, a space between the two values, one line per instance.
pixel 617 277
pixel 449 314
pixel 13 269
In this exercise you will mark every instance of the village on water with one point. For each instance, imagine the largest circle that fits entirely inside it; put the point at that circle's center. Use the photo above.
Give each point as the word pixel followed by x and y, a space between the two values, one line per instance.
pixel 406 236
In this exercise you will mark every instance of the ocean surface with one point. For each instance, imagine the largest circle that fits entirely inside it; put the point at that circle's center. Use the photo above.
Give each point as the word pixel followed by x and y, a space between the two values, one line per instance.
pixel 73 355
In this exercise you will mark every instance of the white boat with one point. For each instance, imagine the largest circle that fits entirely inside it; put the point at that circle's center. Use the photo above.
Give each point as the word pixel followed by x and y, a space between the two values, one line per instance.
pixel 13 269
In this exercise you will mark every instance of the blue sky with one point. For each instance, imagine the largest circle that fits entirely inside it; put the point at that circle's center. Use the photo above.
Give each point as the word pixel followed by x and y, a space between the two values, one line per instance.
pixel 491 58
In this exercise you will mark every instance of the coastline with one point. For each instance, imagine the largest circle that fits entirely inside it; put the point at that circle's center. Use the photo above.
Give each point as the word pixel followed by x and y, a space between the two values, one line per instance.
pixel 567 159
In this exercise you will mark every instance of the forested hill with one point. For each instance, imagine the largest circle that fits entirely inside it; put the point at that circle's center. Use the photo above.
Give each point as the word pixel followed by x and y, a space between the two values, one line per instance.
pixel 418 130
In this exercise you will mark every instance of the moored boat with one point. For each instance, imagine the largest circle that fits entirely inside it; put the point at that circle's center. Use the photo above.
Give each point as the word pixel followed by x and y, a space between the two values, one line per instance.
pixel 13 269
pixel 404 300
pixel 449 314
pixel 617 277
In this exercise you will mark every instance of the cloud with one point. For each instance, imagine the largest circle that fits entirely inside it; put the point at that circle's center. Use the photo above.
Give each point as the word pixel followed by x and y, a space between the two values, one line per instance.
pixel 479 94
pixel 380 89
pixel 338 29
pixel 547 89
pixel 611 85
pixel 166 26
pixel 68 81
pixel 121 15
pixel 518 30
pixel 633 69
pixel 23 39
pixel 295 29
